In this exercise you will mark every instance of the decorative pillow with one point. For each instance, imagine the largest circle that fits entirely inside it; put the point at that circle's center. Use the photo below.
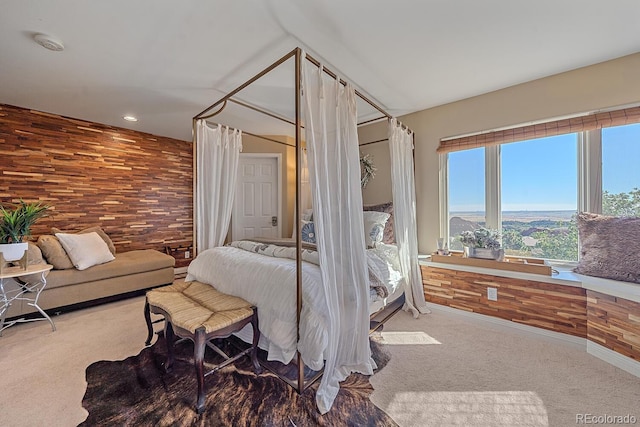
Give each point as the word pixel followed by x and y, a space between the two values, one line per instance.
pixel 389 236
pixel 34 256
pixel 307 215
pixel 54 253
pixel 86 249
pixel 609 247
pixel 96 229
pixel 309 233
pixel 374 223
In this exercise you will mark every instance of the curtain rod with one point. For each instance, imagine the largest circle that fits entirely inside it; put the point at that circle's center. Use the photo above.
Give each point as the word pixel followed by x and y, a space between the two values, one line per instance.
pixel 257 136
pixel 373 142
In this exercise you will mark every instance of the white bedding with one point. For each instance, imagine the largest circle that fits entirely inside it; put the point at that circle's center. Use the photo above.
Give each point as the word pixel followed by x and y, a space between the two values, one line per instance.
pixel 269 282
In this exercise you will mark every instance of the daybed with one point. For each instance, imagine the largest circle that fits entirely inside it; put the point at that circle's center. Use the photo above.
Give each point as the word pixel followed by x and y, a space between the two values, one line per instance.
pixel 66 285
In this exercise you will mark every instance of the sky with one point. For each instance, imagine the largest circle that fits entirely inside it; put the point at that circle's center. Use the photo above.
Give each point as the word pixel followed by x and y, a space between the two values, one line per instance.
pixel 542 174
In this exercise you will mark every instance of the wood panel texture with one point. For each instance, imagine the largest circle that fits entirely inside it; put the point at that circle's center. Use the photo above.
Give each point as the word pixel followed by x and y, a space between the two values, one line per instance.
pixel 136 186
pixel 549 306
pixel 614 323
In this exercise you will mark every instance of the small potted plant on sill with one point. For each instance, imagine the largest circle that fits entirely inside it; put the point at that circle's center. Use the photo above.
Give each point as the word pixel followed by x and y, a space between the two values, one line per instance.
pixel 482 243
pixel 15 226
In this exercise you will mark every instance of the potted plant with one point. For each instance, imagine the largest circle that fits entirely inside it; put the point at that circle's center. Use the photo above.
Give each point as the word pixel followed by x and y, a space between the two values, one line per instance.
pixel 15 226
pixel 482 243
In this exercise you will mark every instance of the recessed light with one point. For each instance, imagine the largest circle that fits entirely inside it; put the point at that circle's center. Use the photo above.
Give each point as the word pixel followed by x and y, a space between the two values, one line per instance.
pixel 130 118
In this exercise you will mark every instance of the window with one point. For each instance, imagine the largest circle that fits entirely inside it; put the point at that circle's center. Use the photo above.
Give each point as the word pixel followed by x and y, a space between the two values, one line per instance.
pixel 466 193
pixel 531 190
pixel 539 198
pixel 620 171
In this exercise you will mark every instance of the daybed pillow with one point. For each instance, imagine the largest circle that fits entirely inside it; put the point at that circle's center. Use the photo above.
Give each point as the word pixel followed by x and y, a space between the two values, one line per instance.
pixel 96 229
pixel 34 256
pixel 374 223
pixel 389 236
pixel 86 249
pixel 54 253
pixel 609 247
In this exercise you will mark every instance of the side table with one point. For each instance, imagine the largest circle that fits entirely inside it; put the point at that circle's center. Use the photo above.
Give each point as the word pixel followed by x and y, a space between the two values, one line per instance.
pixel 25 291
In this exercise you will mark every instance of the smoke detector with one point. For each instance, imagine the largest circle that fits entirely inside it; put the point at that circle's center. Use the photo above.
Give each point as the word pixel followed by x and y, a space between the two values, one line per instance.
pixel 49 42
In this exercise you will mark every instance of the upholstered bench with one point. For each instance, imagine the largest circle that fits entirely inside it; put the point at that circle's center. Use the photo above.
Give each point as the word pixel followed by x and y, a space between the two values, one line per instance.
pixel 199 312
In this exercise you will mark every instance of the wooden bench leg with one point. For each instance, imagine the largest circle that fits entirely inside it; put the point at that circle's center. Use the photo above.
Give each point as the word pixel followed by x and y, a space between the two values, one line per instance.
pixel 147 318
pixel 199 348
pixel 169 337
pixel 256 339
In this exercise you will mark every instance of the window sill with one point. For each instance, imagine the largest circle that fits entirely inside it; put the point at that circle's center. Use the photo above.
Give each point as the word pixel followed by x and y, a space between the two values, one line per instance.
pixel 564 276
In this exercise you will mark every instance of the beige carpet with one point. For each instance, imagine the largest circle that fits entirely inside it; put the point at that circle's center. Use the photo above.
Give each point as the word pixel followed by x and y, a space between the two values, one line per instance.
pixel 444 371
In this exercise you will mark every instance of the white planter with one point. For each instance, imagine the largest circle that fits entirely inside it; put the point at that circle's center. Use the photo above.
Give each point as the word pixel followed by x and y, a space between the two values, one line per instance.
pixel 13 251
pixel 484 253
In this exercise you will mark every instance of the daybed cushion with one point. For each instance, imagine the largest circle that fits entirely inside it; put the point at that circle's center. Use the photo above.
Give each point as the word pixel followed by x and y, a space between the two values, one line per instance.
pixel 388 236
pixel 85 249
pixel 609 247
pixel 126 263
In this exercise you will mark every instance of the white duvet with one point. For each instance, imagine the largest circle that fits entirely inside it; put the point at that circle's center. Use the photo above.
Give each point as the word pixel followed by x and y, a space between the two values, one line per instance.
pixel 270 284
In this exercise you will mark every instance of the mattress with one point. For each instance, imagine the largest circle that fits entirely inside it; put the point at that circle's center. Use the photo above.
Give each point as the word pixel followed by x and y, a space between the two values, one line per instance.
pixel 266 277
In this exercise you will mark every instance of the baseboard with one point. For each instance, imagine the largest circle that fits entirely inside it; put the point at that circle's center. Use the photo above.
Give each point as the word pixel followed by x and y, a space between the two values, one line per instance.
pixel 606 355
pixel 614 358
pixel 180 270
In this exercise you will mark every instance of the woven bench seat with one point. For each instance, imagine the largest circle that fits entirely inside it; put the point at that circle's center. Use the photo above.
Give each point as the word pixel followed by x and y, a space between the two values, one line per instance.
pixel 199 312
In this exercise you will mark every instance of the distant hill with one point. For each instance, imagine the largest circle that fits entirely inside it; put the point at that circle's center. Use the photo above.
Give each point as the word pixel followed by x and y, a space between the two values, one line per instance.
pixel 457 225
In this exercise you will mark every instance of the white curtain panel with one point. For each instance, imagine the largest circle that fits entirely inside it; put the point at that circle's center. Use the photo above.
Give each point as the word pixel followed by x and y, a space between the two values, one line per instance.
pixel 305 188
pixel 305 192
pixel 404 216
pixel 334 169
pixel 217 153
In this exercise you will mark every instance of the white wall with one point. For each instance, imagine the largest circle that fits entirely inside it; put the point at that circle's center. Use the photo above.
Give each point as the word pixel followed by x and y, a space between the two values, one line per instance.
pixel 605 85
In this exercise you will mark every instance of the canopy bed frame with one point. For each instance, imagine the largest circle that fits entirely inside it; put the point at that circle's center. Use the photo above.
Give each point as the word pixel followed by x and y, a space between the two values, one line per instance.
pixel 302 377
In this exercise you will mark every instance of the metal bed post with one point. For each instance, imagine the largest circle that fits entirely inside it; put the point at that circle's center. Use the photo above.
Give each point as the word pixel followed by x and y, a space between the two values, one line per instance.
pixel 298 217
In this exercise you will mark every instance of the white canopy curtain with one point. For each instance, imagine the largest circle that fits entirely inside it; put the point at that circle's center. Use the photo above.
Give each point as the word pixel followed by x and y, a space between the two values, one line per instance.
pixel 334 169
pixel 218 150
pixel 404 216
pixel 305 188
pixel 305 193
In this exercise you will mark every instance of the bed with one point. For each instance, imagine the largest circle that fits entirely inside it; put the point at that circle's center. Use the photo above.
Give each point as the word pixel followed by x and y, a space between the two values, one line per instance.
pixel 315 307
pixel 264 274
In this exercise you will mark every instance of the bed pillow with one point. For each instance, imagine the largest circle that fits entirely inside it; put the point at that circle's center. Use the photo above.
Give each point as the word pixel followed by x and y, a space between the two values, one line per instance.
pixel 388 236
pixel 609 247
pixel 53 252
pixel 96 229
pixel 308 232
pixel 374 223
pixel 85 249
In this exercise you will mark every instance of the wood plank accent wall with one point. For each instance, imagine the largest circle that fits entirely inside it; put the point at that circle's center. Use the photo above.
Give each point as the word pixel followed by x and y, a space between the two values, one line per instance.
pixel 614 323
pixel 545 305
pixel 136 186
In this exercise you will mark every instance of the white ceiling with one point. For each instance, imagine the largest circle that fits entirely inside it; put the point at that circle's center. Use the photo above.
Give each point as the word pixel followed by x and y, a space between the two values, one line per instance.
pixel 165 61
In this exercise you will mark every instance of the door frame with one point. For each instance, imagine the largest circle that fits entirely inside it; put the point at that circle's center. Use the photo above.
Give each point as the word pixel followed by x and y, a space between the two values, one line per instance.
pixel 278 157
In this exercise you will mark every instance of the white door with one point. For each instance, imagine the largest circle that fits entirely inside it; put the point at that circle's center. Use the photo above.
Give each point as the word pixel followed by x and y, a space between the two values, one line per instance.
pixel 257 204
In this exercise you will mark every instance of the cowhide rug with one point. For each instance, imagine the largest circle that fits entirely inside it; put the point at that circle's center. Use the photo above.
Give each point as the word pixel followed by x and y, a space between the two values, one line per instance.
pixel 137 392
